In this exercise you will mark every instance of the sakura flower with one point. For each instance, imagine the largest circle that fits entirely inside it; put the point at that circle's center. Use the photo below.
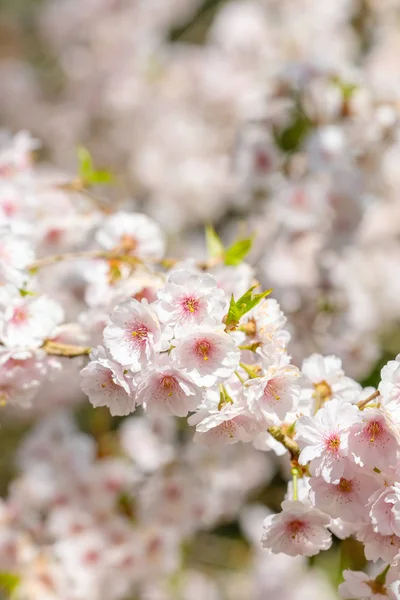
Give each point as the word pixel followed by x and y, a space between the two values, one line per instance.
pixel 207 356
pixel 323 439
pixel 132 334
pixel 190 299
pixel 378 546
pixel 15 255
pixel 134 233
pixel 104 382
pixel 325 379
pixel 273 396
pixel 229 425
pixel 347 498
pixel 385 510
pixel 373 441
pixel 389 388
pixel 298 529
pixel 27 321
pixel 361 586
pixel 165 390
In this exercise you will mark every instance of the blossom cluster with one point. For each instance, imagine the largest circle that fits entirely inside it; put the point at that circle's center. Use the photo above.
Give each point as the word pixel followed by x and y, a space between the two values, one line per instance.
pixel 90 305
pixel 282 113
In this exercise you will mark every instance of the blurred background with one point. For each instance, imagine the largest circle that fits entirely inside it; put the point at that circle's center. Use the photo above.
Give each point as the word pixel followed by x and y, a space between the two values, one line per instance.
pixel 278 118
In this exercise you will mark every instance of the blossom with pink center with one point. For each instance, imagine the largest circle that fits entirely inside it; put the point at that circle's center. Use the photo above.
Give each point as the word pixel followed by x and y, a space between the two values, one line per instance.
pixel 164 390
pixel 133 333
pixel 378 546
pixel 231 424
pixel 372 441
pixel 27 321
pixel 190 299
pixel 323 439
pixel 272 397
pixel 104 382
pixel 385 510
pixel 135 233
pixel 346 499
pixel 358 584
pixel 299 529
pixel 207 356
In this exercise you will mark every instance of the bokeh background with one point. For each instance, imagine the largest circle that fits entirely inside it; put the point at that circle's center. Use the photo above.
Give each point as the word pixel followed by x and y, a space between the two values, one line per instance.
pixel 274 118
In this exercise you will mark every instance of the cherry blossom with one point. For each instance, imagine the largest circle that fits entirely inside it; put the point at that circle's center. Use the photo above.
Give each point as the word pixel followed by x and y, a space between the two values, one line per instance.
pixel 298 529
pixel 323 439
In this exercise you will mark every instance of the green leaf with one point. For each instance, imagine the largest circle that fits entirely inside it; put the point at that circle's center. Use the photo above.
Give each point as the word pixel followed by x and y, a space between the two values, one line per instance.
pixel 9 582
pixel 23 292
pixel 238 308
pixel 85 163
pixel 101 177
pixel 88 174
pixel 215 247
pixel 237 252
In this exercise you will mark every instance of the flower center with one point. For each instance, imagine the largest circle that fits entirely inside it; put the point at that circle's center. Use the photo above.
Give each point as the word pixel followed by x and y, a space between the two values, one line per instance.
pixel 377 587
pixel 295 527
pixel 190 304
pixel 323 391
pixel 272 390
pixel 19 316
pixel 332 443
pixel 203 349
pixel 140 333
pixel 345 485
pixel 373 430
pixel 168 383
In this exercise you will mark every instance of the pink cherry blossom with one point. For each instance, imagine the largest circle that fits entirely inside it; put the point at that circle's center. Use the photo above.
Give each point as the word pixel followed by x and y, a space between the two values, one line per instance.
pixel 105 383
pixel 373 440
pixel 134 232
pixel 190 299
pixel 207 356
pixel 347 498
pixel 133 333
pixel 360 585
pixel 165 390
pixel 323 439
pixel 274 395
pixel 385 510
pixel 298 529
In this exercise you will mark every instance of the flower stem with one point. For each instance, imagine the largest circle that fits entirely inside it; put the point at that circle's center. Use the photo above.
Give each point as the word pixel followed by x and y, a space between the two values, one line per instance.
pixel 286 441
pixel 363 403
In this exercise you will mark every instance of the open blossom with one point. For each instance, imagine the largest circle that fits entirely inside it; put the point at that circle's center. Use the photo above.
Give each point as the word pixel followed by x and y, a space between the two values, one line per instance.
pixel 298 529
pixel 385 510
pixel 273 396
pixel 323 439
pixel 347 498
pixel 325 379
pixel 373 441
pixel 134 233
pixel 207 356
pixel 132 334
pixel 378 546
pixel 105 383
pixel 27 321
pixel 228 425
pixel 163 389
pixel 361 586
pixel 16 254
pixel 190 299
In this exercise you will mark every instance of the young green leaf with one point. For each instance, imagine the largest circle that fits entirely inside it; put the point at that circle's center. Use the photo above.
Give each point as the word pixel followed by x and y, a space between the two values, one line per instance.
pixel 235 254
pixel 85 163
pixel 215 247
pixel 9 582
pixel 238 308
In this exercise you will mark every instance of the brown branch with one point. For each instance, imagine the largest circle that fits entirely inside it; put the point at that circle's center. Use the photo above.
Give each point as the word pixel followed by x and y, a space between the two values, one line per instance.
pixel 69 350
pixel 88 255
pixel 286 441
